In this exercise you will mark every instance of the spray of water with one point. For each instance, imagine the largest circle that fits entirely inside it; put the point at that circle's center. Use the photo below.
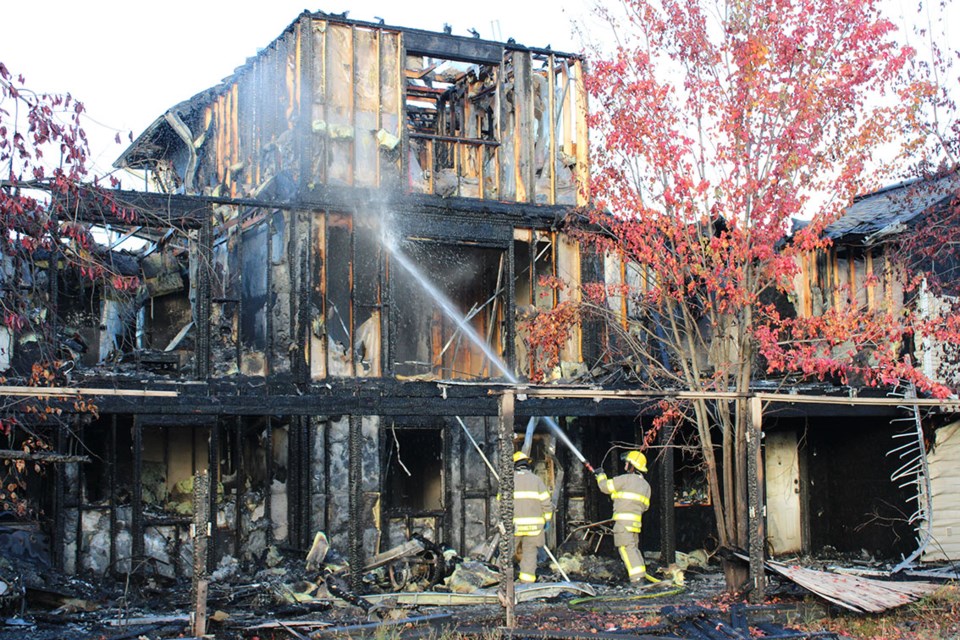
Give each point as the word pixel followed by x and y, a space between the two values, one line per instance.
pixel 458 318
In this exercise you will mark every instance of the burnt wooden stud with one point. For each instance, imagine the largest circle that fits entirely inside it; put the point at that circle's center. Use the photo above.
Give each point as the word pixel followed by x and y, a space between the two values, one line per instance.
pixel 270 298
pixel 505 447
pixel 204 294
pixel 201 526
pixel 136 498
pixel 76 494
pixel 304 244
pixel 112 487
pixel 294 484
pixel 213 479
pixel 355 471
pixel 268 482
pixel 755 499
pixel 59 522
pixel 238 471
pixel 510 310
pixel 305 504
pixel 666 481
pixel 303 141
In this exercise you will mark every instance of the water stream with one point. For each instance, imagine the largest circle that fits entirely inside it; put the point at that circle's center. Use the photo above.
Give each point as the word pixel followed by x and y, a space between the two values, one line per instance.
pixel 458 318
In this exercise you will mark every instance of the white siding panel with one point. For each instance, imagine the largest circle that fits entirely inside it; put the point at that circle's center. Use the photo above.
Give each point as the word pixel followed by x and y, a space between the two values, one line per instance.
pixel 944 461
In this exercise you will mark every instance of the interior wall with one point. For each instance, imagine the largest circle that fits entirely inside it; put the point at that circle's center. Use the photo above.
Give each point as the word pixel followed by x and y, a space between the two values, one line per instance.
pixel 854 506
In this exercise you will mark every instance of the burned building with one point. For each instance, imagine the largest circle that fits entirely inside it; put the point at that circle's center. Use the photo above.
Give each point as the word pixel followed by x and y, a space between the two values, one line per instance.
pixel 342 241
pixel 341 247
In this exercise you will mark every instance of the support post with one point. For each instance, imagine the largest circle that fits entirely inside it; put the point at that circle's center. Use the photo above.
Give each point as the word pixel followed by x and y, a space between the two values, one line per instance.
pixel 200 528
pixel 355 473
pixel 212 480
pixel 755 498
pixel 505 444
pixel 668 511
pixel 204 298
pixel 306 426
pixel 268 483
pixel 59 497
pixel 112 459
pixel 136 498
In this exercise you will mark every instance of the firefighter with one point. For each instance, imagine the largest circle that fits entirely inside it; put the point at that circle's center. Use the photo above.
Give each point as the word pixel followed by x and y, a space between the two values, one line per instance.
pixel 631 497
pixel 532 511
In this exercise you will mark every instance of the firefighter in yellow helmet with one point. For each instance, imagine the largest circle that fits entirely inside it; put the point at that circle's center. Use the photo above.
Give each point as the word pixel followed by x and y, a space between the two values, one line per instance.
pixel 631 497
pixel 532 510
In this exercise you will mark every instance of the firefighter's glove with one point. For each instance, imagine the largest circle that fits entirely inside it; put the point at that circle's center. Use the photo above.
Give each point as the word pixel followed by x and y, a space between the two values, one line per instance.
pixel 599 473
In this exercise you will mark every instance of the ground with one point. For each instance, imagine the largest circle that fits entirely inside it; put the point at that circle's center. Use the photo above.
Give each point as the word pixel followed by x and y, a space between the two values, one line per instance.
pixel 153 610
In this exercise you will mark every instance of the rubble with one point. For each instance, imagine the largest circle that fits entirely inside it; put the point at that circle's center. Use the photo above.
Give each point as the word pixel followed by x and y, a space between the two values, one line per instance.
pixel 467 577
pixel 314 598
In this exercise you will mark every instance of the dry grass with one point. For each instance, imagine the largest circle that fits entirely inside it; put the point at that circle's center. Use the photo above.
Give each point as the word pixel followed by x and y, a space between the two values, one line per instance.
pixel 936 617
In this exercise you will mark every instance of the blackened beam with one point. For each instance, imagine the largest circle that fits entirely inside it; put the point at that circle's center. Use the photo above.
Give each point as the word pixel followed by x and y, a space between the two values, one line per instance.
pixel 392 398
pixel 157 210
pixel 151 210
pixel 493 211
pixel 40 456
pixel 448 46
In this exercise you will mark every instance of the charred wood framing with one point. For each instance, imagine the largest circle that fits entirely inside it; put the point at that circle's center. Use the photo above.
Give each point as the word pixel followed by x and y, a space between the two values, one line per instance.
pixel 338 131
pixel 304 137
pixel 203 487
pixel 388 397
pixel 156 210
pixel 213 466
pixel 268 482
pixel 136 497
pixel 505 427
pixel 510 352
pixel 112 490
pixel 666 487
pixel 238 470
pixel 295 484
pixel 76 500
pixel 270 299
pixel 59 524
pixel 356 555
pixel 204 296
pixel 41 456
pixel 300 512
pixel 756 538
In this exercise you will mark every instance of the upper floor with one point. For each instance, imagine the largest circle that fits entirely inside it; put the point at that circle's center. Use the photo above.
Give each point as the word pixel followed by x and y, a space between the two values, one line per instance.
pixel 357 200
pixel 334 102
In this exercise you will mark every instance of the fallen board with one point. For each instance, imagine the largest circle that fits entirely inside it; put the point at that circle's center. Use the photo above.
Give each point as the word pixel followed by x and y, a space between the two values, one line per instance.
pixel 863 595
pixel 524 593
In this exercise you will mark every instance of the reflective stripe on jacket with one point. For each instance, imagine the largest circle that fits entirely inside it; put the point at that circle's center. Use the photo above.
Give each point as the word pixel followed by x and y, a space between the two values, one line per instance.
pixel 631 497
pixel 532 507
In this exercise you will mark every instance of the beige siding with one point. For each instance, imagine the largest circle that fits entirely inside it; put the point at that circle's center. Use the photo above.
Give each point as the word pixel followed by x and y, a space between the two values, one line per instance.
pixel 944 463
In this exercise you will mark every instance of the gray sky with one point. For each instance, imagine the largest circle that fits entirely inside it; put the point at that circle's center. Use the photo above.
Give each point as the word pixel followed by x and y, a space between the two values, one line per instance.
pixel 130 61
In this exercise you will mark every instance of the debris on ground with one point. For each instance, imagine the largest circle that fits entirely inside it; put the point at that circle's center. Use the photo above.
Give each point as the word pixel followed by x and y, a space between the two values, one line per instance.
pixel 320 596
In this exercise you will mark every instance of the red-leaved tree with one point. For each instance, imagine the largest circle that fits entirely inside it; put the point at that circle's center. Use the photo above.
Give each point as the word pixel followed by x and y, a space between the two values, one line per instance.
pixel 715 125
pixel 45 242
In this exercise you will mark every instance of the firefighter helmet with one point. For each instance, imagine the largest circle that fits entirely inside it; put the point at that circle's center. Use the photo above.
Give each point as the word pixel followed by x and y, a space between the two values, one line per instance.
pixel 637 459
pixel 520 456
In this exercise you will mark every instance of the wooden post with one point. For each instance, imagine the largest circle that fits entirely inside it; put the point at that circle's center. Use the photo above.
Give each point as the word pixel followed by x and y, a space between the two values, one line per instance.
pixel 667 486
pixel 505 443
pixel 201 523
pixel 755 530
